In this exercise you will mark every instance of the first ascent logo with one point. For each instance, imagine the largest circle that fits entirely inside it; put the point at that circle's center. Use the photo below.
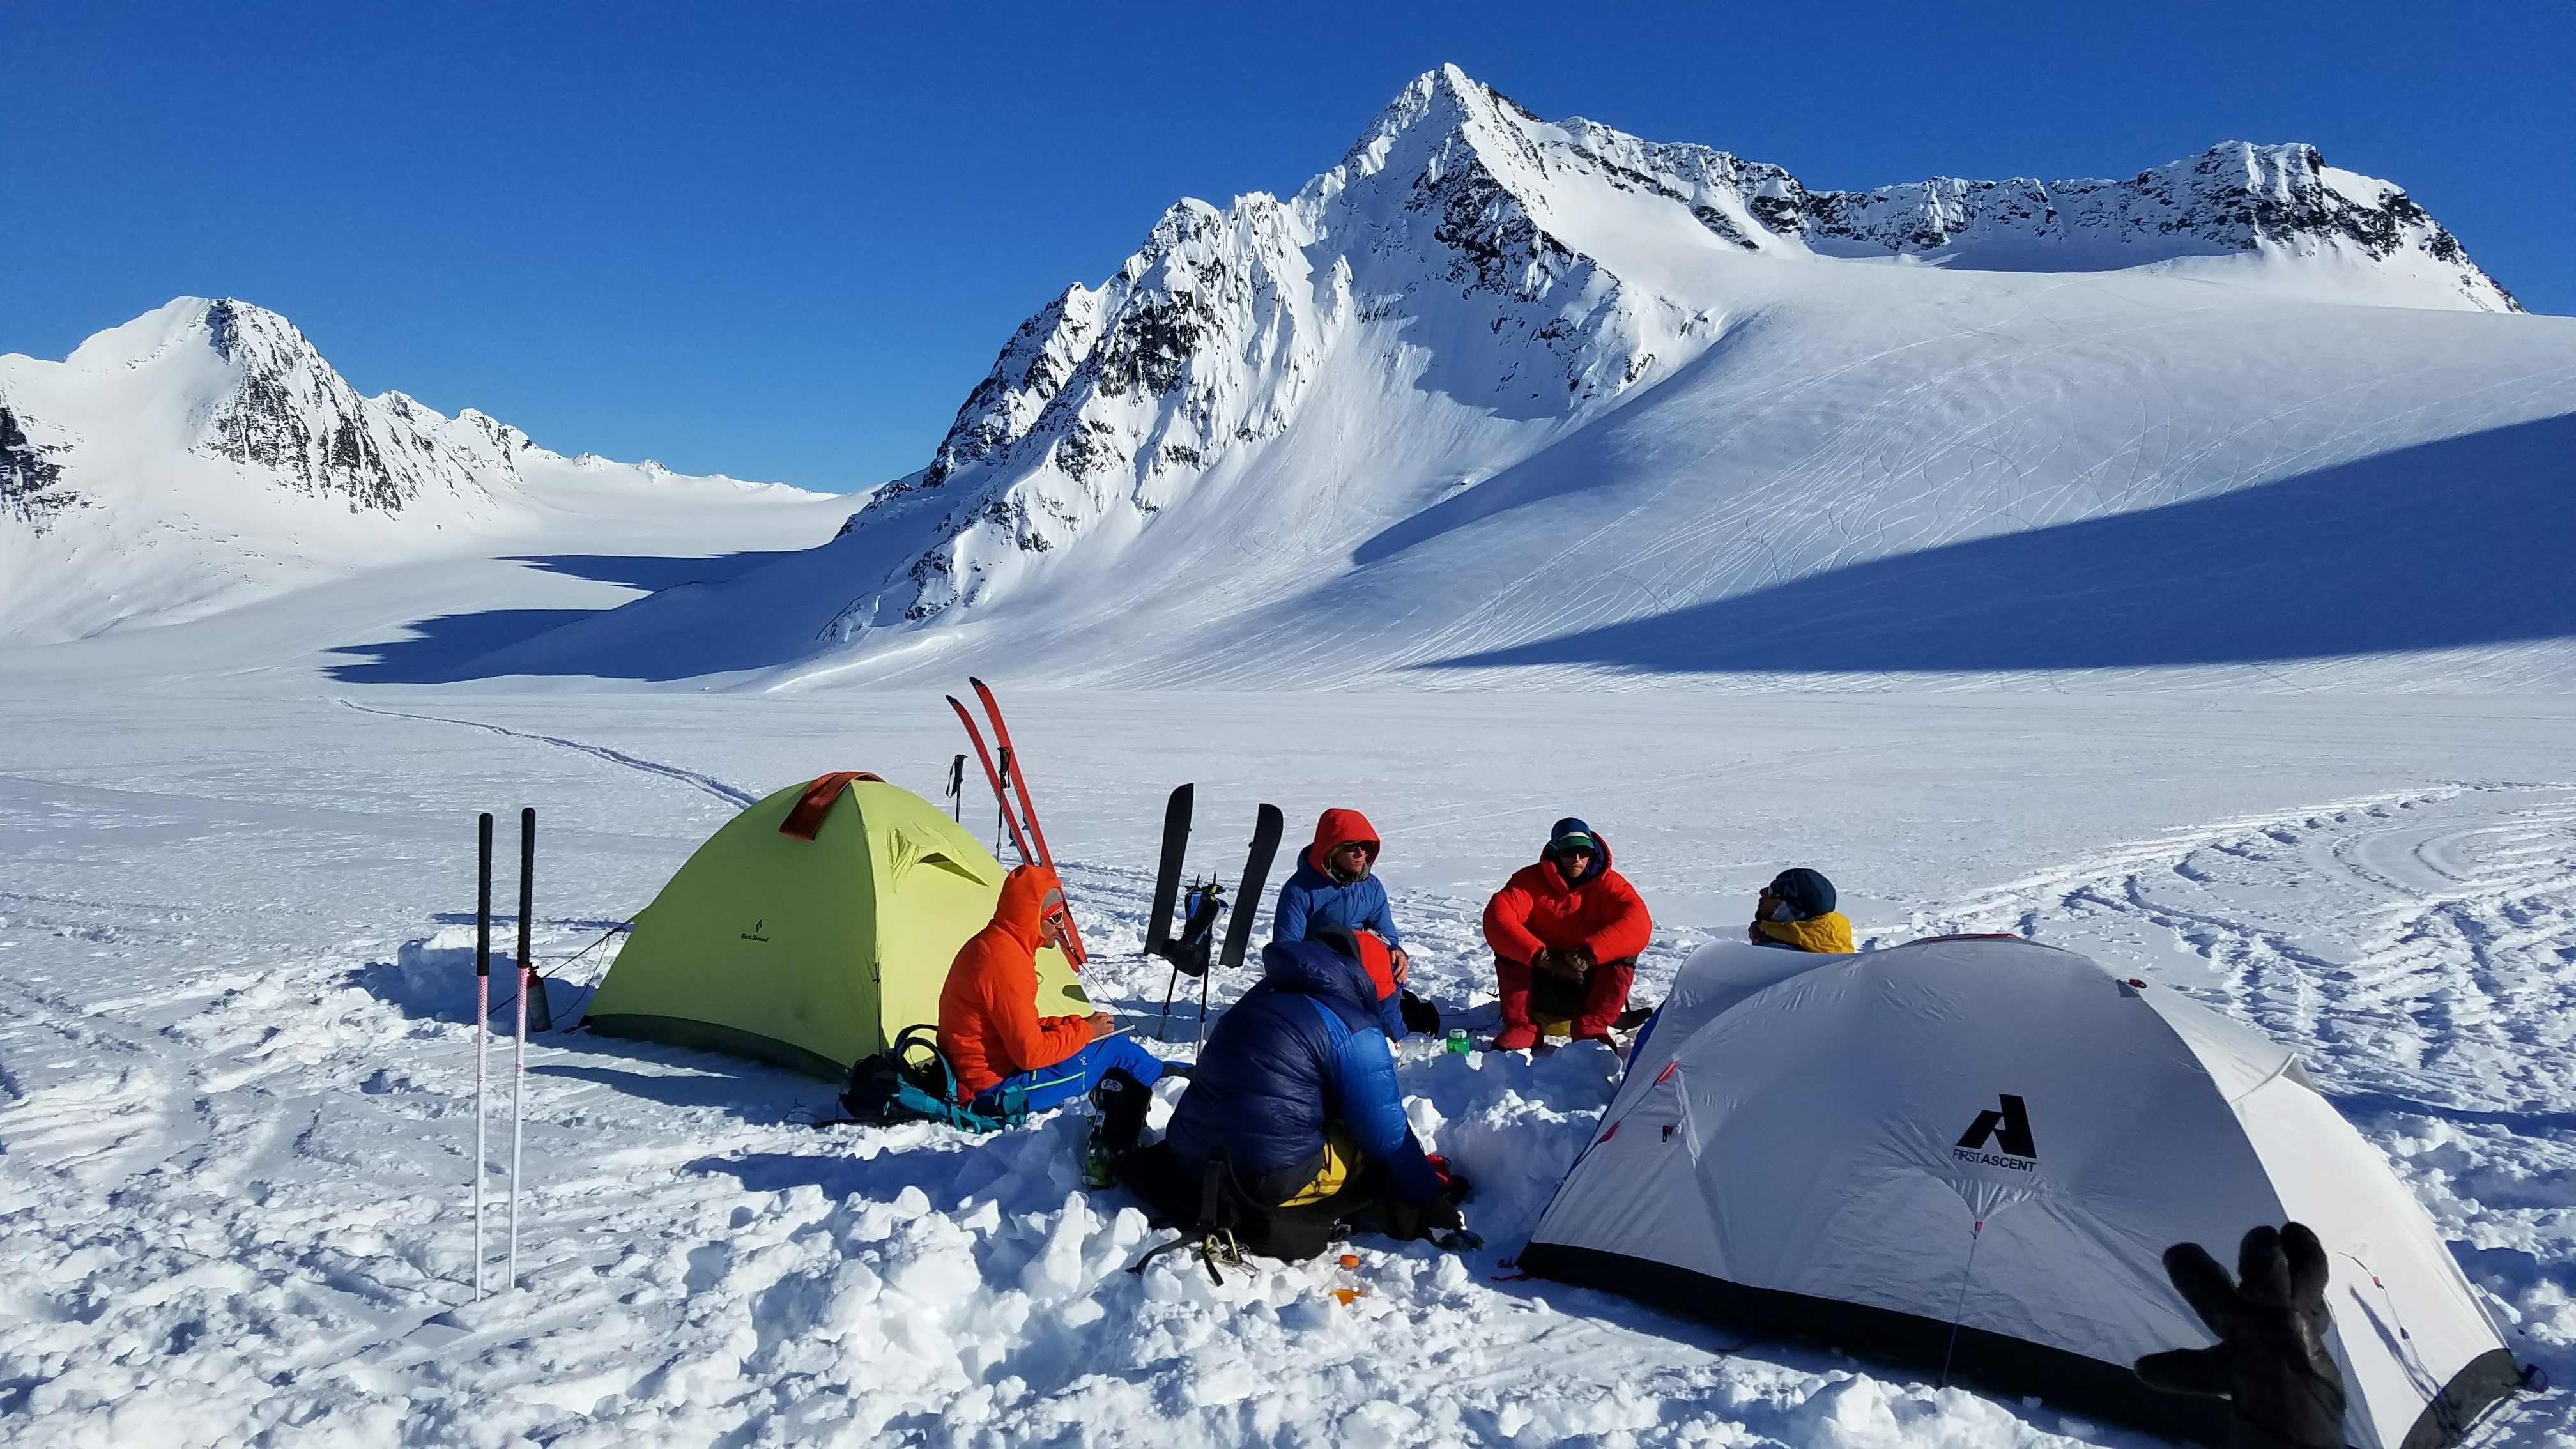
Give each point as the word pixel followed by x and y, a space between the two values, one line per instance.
pixel 2008 1129
pixel 756 933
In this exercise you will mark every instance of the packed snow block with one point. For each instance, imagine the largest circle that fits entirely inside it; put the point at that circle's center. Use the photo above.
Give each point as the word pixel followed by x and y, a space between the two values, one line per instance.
pixel 812 953
pixel 1969 1154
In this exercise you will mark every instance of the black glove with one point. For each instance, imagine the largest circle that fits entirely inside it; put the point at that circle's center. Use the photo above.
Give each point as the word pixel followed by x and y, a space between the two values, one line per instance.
pixel 1420 1016
pixel 2271 1361
pixel 1556 963
pixel 1405 1222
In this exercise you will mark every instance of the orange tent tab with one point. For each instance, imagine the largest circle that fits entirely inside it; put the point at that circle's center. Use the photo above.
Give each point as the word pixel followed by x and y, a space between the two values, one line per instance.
pixel 807 818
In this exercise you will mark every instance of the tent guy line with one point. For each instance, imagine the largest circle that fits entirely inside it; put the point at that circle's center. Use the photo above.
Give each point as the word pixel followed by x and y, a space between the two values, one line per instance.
pixel 730 794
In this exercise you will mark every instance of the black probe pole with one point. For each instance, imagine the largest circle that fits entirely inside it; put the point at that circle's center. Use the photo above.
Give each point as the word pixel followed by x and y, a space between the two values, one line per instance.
pixel 482 1010
pixel 519 1062
pixel 541 1016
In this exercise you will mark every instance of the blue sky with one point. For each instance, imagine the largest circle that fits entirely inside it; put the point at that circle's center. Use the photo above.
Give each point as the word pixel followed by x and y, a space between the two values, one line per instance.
pixel 783 241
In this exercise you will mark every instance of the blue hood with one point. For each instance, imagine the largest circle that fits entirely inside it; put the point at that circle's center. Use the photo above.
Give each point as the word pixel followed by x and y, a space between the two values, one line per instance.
pixel 1308 876
pixel 1310 968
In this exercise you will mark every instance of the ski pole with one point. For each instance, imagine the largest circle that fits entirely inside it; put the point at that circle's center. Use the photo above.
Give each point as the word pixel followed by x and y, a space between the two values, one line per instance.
pixel 482 1008
pixel 1002 807
pixel 519 1066
pixel 1168 988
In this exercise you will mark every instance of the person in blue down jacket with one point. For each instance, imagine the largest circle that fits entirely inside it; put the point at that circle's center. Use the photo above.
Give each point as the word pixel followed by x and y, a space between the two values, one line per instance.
pixel 1296 1087
pixel 1334 890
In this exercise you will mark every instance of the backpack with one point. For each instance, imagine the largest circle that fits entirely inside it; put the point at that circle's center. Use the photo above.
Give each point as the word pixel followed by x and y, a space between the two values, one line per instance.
pixel 1215 1213
pixel 912 1081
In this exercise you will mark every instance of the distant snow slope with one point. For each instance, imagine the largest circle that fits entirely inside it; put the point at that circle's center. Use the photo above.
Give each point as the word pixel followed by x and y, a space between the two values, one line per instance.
pixel 204 454
pixel 1493 385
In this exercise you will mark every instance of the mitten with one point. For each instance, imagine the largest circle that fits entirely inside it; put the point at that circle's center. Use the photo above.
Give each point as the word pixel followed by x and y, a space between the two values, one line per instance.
pixel 2271 1361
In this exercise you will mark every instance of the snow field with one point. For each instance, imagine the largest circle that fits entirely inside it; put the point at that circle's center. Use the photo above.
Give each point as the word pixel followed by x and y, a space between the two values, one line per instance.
pixel 235 1118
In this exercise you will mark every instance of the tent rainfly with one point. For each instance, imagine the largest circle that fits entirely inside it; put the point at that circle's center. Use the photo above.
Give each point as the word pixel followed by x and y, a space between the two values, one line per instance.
pixel 811 930
pixel 1968 1155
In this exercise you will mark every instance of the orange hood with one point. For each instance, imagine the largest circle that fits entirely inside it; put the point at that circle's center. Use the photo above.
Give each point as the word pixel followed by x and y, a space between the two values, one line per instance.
pixel 1024 893
pixel 1340 827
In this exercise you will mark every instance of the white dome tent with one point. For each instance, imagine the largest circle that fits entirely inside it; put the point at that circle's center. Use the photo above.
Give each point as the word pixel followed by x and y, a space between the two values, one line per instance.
pixel 1973 1152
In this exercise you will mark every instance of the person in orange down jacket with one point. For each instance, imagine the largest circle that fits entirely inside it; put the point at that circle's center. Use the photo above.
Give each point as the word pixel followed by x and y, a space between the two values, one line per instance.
pixel 1566 933
pixel 989 1027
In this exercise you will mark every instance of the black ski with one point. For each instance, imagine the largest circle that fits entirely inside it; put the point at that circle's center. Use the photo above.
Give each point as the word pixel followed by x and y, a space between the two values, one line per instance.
pixel 1266 830
pixel 1167 878
pixel 1191 949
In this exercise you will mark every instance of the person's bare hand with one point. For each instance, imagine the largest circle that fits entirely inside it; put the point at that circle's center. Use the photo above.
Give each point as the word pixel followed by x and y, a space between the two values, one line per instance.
pixel 1403 964
pixel 1102 1024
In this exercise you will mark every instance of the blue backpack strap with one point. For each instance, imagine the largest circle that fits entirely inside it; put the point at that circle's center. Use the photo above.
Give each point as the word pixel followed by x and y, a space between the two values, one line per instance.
pixel 948 1104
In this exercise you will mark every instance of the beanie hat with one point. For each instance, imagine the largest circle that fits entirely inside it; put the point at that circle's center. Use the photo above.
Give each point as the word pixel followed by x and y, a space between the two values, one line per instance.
pixel 1571 832
pixel 1806 891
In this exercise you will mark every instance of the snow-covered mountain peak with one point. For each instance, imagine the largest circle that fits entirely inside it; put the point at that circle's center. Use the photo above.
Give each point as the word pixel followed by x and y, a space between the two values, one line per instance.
pixel 1439 106
pixel 226 380
pixel 1524 275
pixel 207 444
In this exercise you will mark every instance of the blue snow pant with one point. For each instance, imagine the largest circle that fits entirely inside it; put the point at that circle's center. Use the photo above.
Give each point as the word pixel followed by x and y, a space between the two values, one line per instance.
pixel 1053 1086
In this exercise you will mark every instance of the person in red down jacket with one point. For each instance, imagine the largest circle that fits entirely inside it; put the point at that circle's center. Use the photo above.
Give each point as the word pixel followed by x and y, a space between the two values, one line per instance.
pixel 1566 933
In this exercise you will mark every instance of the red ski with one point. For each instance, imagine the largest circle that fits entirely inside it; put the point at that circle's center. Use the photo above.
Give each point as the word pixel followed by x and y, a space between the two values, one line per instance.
pixel 993 777
pixel 1026 837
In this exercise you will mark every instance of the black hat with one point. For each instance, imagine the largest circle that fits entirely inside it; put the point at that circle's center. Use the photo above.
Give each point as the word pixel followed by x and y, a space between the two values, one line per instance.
pixel 1806 891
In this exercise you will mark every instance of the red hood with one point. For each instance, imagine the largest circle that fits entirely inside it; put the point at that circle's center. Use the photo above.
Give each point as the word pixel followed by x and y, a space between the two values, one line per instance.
pixel 1022 891
pixel 1339 827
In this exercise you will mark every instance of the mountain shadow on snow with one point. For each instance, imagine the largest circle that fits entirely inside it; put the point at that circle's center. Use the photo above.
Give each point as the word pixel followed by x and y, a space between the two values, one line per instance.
pixel 447 648
pixel 2449 544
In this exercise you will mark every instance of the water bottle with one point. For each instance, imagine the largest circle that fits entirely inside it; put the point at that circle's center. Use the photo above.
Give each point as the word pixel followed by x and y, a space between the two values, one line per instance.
pixel 1459 1046
pixel 1346 1280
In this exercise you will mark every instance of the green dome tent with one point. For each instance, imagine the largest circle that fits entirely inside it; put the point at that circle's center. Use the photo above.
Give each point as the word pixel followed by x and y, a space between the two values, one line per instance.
pixel 811 930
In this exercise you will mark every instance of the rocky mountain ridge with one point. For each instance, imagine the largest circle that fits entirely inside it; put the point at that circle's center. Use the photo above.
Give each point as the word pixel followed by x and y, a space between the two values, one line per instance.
pixel 1529 271
pixel 208 446
pixel 240 384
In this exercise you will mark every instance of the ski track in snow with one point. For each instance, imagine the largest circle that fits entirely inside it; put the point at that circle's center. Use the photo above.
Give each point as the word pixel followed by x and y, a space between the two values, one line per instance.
pixel 2416 949
pixel 234 1197
pixel 730 794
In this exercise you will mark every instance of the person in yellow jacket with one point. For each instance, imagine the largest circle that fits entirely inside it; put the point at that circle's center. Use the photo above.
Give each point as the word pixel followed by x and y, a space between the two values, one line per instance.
pixel 1796 913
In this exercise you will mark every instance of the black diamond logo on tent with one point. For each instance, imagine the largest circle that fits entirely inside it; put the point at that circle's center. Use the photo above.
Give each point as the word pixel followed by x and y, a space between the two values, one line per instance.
pixel 2008 1127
